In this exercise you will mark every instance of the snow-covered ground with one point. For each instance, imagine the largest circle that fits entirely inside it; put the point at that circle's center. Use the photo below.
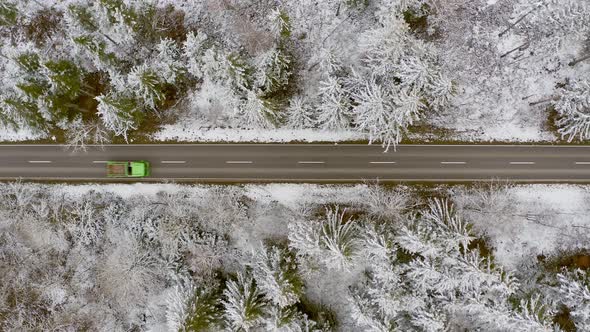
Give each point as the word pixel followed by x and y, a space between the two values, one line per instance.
pixel 526 221
pixel 494 90
pixel 20 134
pixel 188 131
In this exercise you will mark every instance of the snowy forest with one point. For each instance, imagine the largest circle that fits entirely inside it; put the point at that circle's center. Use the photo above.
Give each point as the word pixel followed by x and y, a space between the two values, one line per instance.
pixel 80 72
pixel 492 256
pixel 281 257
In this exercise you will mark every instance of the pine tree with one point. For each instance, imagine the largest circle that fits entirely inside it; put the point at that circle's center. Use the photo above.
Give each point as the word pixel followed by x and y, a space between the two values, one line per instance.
pixel 195 308
pixel 193 51
pixel 331 242
pixel 574 288
pixel 340 240
pixel 274 71
pixel 384 116
pixel 29 112
pixel 400 77
pixel 300 114
pixel 386 204
pixel 385 46
pixel 118 21
pixel 552 20
pixel 65 77
pixel 238 72
pixel 167 62
pixel 330 63
pixel 304 238
pixel 441 229
pixel 244 304
pixel 280 23
pixel 118 113
pixel 275 271
pixel 97 51
pixel 440 90
pixel 147 85
pixel 8 13
pixel 335 107
pixel 257 112
pixel 533 315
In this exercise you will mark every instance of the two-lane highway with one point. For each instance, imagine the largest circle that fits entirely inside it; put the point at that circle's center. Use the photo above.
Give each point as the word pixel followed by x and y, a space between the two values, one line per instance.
pixel 305 162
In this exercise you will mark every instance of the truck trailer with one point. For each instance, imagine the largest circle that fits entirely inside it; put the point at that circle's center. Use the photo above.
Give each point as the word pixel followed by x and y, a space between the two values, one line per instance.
pixel 128 169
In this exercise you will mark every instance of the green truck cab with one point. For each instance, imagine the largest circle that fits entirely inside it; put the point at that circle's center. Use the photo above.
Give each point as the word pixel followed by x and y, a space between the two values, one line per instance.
pixel 128 169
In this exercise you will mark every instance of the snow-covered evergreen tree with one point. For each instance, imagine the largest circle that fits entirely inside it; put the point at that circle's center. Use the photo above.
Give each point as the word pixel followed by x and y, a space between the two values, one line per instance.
pixel 275 271
pixel 256 112
pixel 399 79
pixel 194 308
pixel 440 229
pixel 118 113
pixel 300 114
pixel 280 25
pixel 574 288
pixel 335 106
pixel 340 239
pixel 331 242
pixel 167 61
pixel 274 71
pixel 193 51
pixel 147 85
pixel 244 303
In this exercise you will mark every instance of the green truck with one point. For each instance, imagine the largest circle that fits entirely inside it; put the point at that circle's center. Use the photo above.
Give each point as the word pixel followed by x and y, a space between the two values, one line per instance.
pixel 128 169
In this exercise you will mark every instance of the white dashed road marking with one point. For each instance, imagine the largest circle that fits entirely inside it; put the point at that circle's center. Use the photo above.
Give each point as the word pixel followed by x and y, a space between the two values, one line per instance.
pixel 453 162
pixel 522 163
pixel 311 162
pixel 39 161
pixel 382 162
pixel 582 162
pixel 238 162
pixel 173 162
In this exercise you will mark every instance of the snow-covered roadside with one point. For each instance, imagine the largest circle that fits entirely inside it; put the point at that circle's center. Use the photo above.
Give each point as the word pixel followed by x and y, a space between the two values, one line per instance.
pixel 186 131
pixel 524 222
pixel 16 135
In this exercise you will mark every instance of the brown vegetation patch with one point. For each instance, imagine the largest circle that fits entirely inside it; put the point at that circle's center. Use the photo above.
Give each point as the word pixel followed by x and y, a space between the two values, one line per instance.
pixel 564 320
pixel 43 26
pixel 570 261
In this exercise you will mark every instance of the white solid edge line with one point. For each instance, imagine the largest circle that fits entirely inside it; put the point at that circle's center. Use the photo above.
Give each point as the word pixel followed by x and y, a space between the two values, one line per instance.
pixel 39 162
pixel 522 163
pixel 311 162
pixel 173 162
pixel 382 162
pixel 582 162
pixel 238 162
pixel 453 162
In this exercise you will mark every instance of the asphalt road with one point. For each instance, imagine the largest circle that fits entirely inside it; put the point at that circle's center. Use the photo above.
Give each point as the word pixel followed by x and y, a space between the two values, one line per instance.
pixel 305 162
